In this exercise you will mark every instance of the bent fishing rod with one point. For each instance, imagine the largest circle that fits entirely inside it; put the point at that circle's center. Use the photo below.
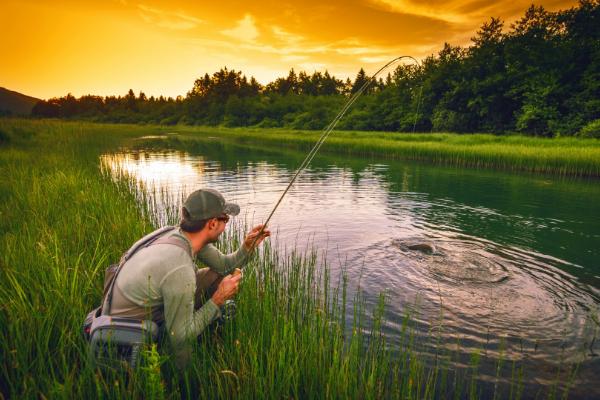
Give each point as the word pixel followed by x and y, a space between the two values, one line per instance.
pixel 326 132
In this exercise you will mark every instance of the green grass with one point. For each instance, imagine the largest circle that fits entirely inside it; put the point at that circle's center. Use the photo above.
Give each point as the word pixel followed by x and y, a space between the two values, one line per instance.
pixel 562 156
pixel 63 221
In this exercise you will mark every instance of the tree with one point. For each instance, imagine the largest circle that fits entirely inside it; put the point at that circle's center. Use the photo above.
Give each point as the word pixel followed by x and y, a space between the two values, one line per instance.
pixel 330 85
pixel 130 100
pixel 360 80
pixel 485 68
pixel 284 86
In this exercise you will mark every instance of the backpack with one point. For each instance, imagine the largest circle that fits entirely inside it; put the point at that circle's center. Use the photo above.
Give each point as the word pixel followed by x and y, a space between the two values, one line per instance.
pixel 116 342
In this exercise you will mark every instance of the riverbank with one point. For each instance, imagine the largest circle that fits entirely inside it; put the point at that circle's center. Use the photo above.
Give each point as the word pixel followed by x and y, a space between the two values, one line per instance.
pixel 63 221
pixel 561 156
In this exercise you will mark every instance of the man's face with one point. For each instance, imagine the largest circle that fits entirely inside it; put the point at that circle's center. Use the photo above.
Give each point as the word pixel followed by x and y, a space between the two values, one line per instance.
pixel 217 226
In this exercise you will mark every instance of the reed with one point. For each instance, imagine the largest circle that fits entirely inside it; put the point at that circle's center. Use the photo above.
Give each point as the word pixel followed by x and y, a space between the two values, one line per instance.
pixel 63 220
pixel 561 156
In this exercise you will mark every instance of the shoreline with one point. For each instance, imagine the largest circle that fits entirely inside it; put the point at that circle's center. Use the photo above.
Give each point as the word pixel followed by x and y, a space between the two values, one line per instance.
pixel 557 156
pixel 564 156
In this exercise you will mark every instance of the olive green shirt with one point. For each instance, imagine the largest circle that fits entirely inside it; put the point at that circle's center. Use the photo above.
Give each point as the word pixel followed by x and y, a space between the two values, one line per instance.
pixel 162 277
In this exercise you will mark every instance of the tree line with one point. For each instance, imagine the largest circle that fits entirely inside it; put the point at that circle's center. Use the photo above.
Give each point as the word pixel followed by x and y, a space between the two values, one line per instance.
pixel 539 77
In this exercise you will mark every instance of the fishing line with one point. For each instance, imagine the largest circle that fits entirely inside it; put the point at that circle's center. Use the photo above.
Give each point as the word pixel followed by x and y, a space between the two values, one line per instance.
pixel 311 154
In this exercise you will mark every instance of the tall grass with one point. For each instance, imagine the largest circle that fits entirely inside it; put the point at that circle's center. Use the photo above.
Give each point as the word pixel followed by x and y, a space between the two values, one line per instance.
pixel 562 156
pixel 63 221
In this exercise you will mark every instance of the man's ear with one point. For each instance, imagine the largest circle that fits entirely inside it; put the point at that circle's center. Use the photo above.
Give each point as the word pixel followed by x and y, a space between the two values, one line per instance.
pixel 212 223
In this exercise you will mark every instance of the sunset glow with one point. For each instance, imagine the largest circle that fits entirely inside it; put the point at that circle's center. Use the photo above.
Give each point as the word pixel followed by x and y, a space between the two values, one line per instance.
pixel 159 47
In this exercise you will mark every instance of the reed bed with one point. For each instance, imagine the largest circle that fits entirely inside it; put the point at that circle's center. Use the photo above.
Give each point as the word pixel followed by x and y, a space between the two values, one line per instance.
pixel 63 220
pixel 561 156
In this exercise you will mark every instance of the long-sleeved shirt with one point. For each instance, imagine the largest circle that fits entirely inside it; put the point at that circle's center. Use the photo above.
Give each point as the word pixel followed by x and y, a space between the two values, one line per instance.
pixel 160 279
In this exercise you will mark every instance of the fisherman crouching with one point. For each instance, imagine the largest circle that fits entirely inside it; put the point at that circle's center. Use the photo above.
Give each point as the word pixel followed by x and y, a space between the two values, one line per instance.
pixel 158 279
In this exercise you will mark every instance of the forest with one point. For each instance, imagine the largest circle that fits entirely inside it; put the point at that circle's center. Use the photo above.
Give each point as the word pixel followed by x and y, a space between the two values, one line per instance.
pixel 540 77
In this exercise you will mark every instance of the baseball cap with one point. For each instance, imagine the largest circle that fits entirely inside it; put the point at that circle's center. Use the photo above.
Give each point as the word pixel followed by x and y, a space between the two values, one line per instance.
pixel 208 203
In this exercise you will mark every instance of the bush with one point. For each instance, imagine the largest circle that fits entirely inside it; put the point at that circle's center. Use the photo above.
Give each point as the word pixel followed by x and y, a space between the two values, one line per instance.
pixel 172 120
pixel 591 130
pixel 19 134
pixel 268 123
pixel 536 119
pixel 358 120
pixel 448 121
pixel 185 120
pixel 4 137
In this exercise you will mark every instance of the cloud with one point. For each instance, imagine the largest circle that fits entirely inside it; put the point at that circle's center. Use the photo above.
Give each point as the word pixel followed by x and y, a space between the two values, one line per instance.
pixel 168 19
pixel 312 66
pixel 445 11
pixel 468 13
pixel 354 51
pixel 310 56
pixel 284 36
pixel 297 50
pixel 245 30
pixel 293 58
pixel 375 59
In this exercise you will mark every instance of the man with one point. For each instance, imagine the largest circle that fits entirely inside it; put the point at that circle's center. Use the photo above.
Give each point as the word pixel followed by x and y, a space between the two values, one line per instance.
pixel 163 280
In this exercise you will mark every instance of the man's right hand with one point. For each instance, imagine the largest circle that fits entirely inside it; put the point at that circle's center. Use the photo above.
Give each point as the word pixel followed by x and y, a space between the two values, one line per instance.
pixel 228 288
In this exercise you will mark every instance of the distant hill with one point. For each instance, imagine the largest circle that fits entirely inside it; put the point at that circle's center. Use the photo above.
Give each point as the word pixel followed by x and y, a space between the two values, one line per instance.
pixel 15 103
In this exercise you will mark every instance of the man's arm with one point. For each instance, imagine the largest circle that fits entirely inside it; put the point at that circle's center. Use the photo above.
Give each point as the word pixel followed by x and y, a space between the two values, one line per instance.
pixel 183 324
pixel 225 264
pixel 219 262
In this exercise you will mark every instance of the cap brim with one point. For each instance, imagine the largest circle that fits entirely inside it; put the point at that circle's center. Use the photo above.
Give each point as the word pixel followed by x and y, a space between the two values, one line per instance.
pixel 231 209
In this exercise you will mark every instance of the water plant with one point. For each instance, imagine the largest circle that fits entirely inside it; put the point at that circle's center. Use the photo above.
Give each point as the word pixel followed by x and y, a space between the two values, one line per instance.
pixel 561 156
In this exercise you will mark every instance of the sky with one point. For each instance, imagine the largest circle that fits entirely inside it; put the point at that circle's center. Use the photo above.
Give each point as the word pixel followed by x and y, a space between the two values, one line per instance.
pixel 106 47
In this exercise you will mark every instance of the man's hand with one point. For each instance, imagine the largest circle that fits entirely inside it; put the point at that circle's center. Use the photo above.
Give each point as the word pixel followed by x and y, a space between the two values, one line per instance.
pixel 255 237
pixel 228 288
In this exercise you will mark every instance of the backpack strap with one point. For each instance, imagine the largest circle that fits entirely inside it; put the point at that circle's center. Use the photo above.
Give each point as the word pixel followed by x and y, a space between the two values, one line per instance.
pixel 156 237
pixel 143 242
pixel 175 241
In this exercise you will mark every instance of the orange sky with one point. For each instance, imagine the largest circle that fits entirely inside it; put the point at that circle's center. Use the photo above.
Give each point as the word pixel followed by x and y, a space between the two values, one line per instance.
pixel 105 47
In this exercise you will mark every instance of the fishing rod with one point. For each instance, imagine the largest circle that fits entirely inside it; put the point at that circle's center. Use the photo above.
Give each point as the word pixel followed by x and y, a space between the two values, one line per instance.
pixel 326 132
